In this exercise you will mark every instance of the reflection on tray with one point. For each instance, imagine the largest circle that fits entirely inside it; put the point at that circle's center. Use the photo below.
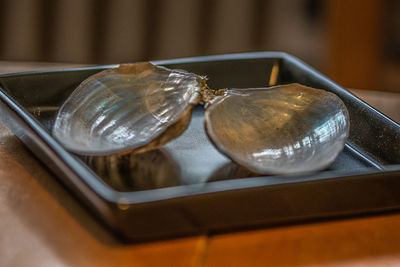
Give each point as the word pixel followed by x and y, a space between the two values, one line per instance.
pixel 231 171
pixel 132 172
pixel 151 170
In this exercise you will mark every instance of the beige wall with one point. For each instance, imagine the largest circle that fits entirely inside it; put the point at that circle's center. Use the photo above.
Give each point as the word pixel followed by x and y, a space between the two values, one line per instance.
pixel 111 31
pixel 344 39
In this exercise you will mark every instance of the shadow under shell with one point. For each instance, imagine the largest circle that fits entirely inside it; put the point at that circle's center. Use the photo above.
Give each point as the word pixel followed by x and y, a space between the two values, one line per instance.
pixel 134 172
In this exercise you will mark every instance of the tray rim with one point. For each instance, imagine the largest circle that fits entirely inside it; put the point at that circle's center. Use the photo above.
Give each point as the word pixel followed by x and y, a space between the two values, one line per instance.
pixel 138 197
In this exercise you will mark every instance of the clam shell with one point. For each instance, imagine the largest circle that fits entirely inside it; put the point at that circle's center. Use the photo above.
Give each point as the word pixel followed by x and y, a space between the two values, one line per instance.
pixel 278 130
pixel 133 107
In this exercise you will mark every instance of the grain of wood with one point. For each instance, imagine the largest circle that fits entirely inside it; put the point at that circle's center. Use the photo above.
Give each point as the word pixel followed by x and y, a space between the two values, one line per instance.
pixel 355 42
pixel 357 242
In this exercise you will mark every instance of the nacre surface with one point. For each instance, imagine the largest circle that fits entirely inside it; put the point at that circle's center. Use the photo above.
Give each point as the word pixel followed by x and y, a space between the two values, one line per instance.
pixel 279 130
pixel 133 107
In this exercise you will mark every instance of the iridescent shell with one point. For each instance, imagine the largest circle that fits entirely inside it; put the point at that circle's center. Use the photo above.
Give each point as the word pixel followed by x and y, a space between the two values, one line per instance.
pixel 139 107
pixel 278 130
pixel 133 107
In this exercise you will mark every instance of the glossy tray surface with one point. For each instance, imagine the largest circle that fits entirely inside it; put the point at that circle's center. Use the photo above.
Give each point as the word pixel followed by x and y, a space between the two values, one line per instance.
pixel 188 187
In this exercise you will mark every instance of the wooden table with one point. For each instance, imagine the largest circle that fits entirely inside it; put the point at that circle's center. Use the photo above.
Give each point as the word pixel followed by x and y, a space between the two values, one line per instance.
pixel 43 225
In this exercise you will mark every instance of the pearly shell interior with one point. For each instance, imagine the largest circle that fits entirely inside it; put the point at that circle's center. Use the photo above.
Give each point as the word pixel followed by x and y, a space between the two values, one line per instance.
pixel 279 130
pixel 133 107
pixel 139 107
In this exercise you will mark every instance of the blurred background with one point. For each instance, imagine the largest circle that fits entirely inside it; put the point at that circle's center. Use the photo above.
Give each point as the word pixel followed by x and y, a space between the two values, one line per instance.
pixel 356 43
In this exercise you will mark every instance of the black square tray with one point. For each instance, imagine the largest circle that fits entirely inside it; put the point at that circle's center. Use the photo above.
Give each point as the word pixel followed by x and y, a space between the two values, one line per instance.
pixel 204 191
